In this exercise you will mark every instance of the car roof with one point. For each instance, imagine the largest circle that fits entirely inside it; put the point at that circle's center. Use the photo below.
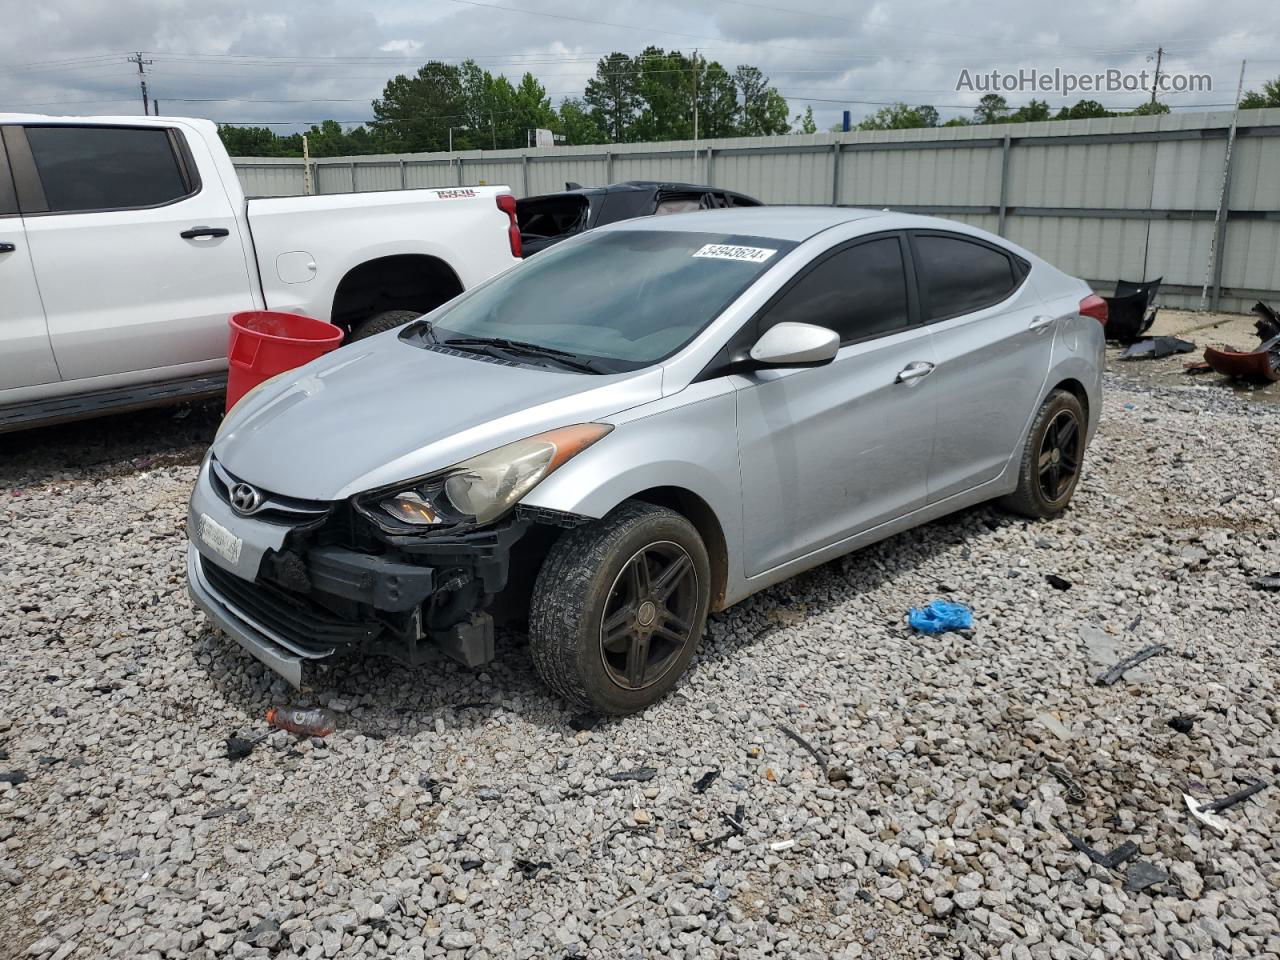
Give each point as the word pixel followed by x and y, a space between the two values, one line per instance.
pixel 779 223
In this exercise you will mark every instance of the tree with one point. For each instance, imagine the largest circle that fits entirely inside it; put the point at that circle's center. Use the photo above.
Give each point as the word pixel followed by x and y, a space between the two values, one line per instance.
pixel 899 116
pixel 250 141
pixel 992 108
pixel 577 124
pixel 806 123
pixel 613 98
pixel 717 101
pixel 764 110
pixel 415 113
pixel 1150 109
pixel 958 122
pixel 1269 97
pixel 1034 111
pixel 1084 110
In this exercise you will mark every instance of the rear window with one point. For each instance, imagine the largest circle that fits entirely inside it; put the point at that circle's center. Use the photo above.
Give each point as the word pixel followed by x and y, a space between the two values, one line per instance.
pixel 105 168
pixel 959 276
pixel 552 217
pixel 627 298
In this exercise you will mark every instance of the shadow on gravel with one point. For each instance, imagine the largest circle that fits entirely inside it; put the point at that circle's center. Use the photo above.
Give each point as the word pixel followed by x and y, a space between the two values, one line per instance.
pixel 128 441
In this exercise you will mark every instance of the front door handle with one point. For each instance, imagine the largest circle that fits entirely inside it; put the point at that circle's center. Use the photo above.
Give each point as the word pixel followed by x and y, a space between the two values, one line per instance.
pixel 8 247
pixel 1038 324
pixel 194 232
pixel 914 371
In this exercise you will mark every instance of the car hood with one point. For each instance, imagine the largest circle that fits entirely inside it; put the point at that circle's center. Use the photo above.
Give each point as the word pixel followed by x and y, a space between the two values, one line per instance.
pixel 380 411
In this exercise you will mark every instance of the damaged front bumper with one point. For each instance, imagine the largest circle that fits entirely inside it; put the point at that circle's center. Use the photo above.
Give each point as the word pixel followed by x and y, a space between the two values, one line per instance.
pixel 299 582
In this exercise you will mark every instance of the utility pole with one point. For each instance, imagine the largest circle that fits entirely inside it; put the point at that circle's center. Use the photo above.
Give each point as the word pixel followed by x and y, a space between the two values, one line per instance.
pixel 695 97
pixel 1155 83
pixel 142 79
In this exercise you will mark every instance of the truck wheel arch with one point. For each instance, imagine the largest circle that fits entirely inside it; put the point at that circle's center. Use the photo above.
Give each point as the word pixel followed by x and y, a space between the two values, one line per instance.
pixel 406 281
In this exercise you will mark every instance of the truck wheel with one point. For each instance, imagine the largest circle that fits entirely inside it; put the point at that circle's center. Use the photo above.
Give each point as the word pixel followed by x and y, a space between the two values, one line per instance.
pixel 619 607
pixel 382 322
pixel 1051 459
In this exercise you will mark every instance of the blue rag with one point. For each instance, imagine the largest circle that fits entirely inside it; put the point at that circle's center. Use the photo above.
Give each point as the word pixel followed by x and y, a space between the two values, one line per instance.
pixel 940 616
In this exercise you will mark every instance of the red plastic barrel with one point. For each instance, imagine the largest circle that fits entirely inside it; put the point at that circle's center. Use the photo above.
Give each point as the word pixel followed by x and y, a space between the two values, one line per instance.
pixel 264 343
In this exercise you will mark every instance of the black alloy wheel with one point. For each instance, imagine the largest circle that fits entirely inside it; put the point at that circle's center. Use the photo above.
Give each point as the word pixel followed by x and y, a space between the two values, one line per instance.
pixel 649 615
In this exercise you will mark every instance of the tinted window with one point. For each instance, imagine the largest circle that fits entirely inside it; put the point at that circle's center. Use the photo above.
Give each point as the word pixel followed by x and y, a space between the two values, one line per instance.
pixel 103 168
pixel 959 277
pixel 627 298
pixel 858 292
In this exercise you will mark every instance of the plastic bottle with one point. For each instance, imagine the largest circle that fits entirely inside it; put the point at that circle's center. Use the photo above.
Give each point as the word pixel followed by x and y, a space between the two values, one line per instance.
pixel 309 721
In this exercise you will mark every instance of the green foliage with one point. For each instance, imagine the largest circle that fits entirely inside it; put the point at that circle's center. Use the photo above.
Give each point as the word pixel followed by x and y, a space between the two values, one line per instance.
pixel 613 97
pixel 899 116
pixel 1150 109
pixel 763 110
pixel 992 108
pixel 1034 111
pixel 806 123
pixel 1084 110
pixel 1269 97
pixel 577 123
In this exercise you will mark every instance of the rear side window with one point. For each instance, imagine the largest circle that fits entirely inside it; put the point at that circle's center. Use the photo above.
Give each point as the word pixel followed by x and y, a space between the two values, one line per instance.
pixel 105 168
pixel 859 292
pixel 958 276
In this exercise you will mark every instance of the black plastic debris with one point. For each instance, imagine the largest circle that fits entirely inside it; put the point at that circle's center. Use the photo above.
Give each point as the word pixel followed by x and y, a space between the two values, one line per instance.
pixel 1075 792
pixel 1143 875
pixel 1217 806
pixel 1131 312
pixel 1057 582
pixel 1269 582
pixel 707 779
pixel 1128 663
pixel 640 775
pixel 1153 348
pixel 812 750
pixel 469 865
pixel 736 828
pixel 217 812
pixel 531 868
pixel 13 777
pixel 239 747
pixel 1183 722
pixel 1110 860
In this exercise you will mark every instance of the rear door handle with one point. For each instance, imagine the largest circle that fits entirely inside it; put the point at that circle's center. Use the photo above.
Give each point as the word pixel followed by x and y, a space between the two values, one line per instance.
pixel 914 371
pixel 8 247
pixel 193 232
pixel 1040 323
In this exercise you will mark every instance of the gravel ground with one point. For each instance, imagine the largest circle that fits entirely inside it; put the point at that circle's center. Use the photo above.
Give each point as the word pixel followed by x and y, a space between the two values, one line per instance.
pixel 469 814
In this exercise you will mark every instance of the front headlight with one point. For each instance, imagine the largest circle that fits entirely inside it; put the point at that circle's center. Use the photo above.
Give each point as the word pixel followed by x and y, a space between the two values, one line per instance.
pixel 482 489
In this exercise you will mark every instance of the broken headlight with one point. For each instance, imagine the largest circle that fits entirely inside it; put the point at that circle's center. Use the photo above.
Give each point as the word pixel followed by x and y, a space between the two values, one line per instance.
pixel 482 489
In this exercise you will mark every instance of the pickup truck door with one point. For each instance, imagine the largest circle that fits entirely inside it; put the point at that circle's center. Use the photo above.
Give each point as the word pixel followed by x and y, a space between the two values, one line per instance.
pixel 26 358
pixel 136 249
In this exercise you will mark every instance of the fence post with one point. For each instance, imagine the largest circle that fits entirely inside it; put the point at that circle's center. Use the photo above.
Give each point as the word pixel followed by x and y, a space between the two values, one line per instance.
pixel 402 179
pixel 710 165
pixel 352 165
pixel 1004 183
pixel 1220 236
pixel 459 171
pixel 608 167
pixel 835 174
pixel 524 174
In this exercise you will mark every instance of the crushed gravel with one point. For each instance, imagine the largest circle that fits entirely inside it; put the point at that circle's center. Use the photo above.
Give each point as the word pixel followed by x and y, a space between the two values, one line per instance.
pixel 470 814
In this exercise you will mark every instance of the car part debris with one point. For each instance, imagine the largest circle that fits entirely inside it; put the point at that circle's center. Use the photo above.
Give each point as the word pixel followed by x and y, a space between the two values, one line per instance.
pixel 781 845
pixel 309 722
pixel 217 812
pixel 531 868
pixel 1057 582
pixel 1110 860
pixel 1143 875
pixel 13 777
pixel 1217 806
pixel 1196 366
pixel 812 750
pixel 1183 722
pixel 469 865
pixel 1130 312
pixel 1075 792
pixel 1118 671
pixel 640 775
pixel 736 828
pixel 1206 817
pixel 1153 348
pixel 240 747
pixel 707 779
pixel 1262 363
pixel 940 617
pixel 1269 582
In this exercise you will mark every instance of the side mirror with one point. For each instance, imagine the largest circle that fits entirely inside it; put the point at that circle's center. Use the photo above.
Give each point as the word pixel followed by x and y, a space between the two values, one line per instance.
pixel 796 345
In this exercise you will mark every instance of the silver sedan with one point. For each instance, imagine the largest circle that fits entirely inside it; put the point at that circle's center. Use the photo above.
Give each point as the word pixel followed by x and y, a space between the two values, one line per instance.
pixel 636 428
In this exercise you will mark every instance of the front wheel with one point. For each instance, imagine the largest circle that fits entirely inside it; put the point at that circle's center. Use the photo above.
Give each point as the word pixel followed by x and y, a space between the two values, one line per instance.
pixel 1051 459
pixel 619 607
pixel 382 322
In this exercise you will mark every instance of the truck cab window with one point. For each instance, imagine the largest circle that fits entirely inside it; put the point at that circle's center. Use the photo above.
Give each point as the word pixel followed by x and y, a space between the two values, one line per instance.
pixel 105 168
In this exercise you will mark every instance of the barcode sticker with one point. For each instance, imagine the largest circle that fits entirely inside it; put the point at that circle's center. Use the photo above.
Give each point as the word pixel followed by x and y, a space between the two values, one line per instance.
pixel 725 251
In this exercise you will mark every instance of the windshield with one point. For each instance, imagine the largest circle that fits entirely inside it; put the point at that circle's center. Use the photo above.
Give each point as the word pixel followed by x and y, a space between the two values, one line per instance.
pixel 618 300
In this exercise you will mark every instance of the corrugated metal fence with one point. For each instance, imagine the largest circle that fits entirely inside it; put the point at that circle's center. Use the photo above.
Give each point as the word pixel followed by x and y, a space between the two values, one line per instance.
pixel 1121 197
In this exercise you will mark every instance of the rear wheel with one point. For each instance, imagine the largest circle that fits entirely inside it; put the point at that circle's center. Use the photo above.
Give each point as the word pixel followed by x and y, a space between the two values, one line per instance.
pixel 382 322
pixel 1051 459
pixel 619 607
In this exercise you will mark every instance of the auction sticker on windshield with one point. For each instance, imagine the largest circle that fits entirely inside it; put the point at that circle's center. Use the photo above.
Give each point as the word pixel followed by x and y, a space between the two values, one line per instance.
pixel 726 251
pixel 221 540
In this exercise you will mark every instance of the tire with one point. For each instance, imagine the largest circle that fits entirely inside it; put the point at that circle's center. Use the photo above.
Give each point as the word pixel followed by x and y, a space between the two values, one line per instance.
pixel 1038 479
pixel 381 323
pixel 589 579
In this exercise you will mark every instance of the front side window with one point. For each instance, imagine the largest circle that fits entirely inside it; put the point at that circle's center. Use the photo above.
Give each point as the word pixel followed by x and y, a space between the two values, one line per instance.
pixel 625 299
pixel 858 292
pixel 958 276
pixel 105 168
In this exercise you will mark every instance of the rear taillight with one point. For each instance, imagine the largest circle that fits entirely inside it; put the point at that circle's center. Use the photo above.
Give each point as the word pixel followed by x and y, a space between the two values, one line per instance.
pixel 1094 306
pixel 507 204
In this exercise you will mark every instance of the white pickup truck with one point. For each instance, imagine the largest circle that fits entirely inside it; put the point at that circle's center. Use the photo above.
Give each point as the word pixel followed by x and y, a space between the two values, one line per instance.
pixel 126 242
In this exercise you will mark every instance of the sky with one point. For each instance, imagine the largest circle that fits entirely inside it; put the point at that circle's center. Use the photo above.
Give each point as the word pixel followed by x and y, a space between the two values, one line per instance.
pixel 285 63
